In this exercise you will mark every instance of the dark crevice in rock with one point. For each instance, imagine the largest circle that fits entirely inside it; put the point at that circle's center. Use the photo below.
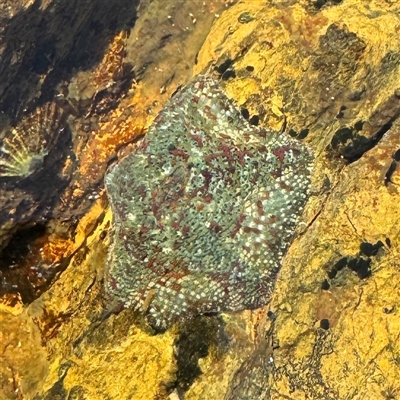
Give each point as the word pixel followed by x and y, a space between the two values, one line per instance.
pixel 51 43
pixel 351 145
pixel 195 341
pixel 15 278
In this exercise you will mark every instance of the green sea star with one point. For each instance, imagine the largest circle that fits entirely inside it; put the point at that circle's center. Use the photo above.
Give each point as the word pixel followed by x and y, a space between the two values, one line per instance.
pixel 204 209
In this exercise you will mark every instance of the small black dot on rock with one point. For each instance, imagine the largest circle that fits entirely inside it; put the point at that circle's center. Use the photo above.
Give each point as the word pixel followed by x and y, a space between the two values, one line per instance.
pixel 254 120
pixel 271 315
pixel 324 324
pixel 370 249
pixel 388 310
pixel 250 68
pixel 363 274
pixel 359 125
pixel 364 268
pixel 245 113
pixel 332 274
pixel 340 264
pixel 325 285
pixel 367 248
pixel 319 3
pixel 352 264
pixel 292 133
pixel 340 114
pixel 388 242
pixel 230 73
pixel 361 266
pixel 224 66
pixel 303 133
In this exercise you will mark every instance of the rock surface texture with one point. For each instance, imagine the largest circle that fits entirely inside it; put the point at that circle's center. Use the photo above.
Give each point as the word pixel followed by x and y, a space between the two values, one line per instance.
pixel 326 72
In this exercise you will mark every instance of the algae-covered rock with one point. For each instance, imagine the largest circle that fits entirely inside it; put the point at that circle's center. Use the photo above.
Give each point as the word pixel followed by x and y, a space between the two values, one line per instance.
pixel 325 72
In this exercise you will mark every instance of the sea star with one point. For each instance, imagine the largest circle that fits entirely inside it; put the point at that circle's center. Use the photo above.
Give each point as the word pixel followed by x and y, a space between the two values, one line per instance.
pixel 203 210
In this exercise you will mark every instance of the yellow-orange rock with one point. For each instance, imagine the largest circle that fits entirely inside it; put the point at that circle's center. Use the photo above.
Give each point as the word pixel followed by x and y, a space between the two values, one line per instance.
pixel 331 72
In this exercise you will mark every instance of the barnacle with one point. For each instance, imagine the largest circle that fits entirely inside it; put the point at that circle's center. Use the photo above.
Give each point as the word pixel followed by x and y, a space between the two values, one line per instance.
pixel 24 147
pixel 204 210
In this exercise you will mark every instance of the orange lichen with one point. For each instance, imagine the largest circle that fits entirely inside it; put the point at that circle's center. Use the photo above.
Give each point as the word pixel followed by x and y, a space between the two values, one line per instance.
pixel 111 68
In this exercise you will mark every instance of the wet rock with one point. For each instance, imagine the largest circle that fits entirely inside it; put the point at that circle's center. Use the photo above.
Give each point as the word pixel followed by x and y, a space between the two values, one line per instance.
pixel 309 65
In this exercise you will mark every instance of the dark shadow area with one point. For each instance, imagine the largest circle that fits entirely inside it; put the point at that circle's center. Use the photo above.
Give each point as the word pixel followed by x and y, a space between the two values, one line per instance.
pixel 16 277
pixel 53 42
pixel 197 339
